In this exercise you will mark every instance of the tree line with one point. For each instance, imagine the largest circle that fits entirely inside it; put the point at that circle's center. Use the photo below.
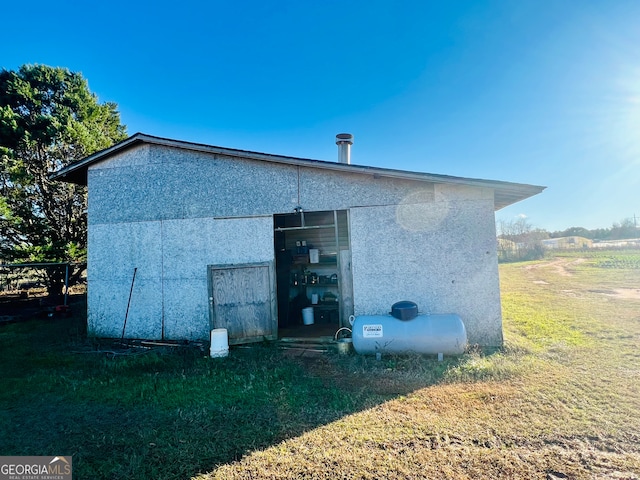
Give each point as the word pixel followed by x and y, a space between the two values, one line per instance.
pixel 519 240
pixel 626 228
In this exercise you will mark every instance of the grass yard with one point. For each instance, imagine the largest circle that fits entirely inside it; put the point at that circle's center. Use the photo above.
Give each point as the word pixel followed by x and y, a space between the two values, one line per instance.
pixel 560 400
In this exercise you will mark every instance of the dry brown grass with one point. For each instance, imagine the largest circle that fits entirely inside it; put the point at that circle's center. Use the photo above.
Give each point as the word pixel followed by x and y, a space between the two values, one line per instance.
pixel 560 400
pixel 564 402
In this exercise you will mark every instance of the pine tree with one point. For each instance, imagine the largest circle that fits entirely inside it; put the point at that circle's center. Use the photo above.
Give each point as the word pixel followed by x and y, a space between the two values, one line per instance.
pixel 48 119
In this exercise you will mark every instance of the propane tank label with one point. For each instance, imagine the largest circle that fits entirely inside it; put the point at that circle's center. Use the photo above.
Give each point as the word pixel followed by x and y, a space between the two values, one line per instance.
pixel 372 331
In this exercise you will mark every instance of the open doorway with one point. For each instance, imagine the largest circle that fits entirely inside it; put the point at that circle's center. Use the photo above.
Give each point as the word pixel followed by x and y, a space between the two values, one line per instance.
pixel 310 272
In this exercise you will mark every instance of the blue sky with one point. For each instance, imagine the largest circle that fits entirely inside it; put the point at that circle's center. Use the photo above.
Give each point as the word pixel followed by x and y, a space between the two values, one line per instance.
pixel 533 91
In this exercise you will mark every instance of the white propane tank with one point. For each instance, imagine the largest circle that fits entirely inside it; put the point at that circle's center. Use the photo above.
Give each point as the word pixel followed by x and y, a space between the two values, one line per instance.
pixel 426 334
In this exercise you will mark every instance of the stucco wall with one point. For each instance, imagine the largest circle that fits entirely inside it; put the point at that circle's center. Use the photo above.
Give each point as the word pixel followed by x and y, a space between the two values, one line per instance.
pixel 171 257
pixel 440 254
pixel 114 251
pixel 152 182
pixel 167 212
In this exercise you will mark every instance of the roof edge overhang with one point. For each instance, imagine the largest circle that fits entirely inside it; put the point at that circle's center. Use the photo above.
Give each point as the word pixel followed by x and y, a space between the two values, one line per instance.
pixel 506 193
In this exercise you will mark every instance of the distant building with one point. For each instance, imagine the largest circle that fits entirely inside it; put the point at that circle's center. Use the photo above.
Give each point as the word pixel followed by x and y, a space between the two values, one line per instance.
pixel 626 243
pixel 568 243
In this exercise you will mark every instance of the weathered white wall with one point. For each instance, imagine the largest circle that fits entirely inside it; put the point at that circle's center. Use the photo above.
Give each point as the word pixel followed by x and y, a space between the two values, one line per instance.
pixel 439 253
pixel 114 251
pixel 164 211
pixel 160 183
pixel 190 245
pixel 171 258
pixel 171 212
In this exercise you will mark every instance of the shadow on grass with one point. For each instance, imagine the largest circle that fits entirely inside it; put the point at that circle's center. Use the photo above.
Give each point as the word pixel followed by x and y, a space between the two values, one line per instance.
pixel 176 414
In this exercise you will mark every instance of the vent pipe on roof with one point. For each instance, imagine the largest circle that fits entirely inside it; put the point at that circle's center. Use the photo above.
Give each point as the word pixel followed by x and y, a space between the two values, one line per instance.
pixel 344 142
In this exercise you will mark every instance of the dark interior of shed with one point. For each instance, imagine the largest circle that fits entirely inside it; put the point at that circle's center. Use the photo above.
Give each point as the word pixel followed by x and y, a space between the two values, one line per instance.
pixel 307 273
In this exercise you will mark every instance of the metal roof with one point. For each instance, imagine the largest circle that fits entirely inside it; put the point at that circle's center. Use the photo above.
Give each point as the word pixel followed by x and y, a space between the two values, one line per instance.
pixel 505 193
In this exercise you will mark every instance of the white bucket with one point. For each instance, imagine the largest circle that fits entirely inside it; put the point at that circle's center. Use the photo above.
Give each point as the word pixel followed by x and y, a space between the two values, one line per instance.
pixel 307 316
pixel 219 343
pixel 314 255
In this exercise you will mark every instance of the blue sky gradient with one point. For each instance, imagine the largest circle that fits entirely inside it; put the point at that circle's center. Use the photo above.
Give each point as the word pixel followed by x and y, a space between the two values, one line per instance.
pixel 544 92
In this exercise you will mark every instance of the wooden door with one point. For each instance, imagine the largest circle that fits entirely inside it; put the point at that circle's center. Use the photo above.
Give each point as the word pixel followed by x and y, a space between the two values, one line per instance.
pixel 242 299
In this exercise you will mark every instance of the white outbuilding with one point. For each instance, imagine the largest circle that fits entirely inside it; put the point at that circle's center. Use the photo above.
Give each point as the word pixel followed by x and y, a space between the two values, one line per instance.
pixel 185 237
